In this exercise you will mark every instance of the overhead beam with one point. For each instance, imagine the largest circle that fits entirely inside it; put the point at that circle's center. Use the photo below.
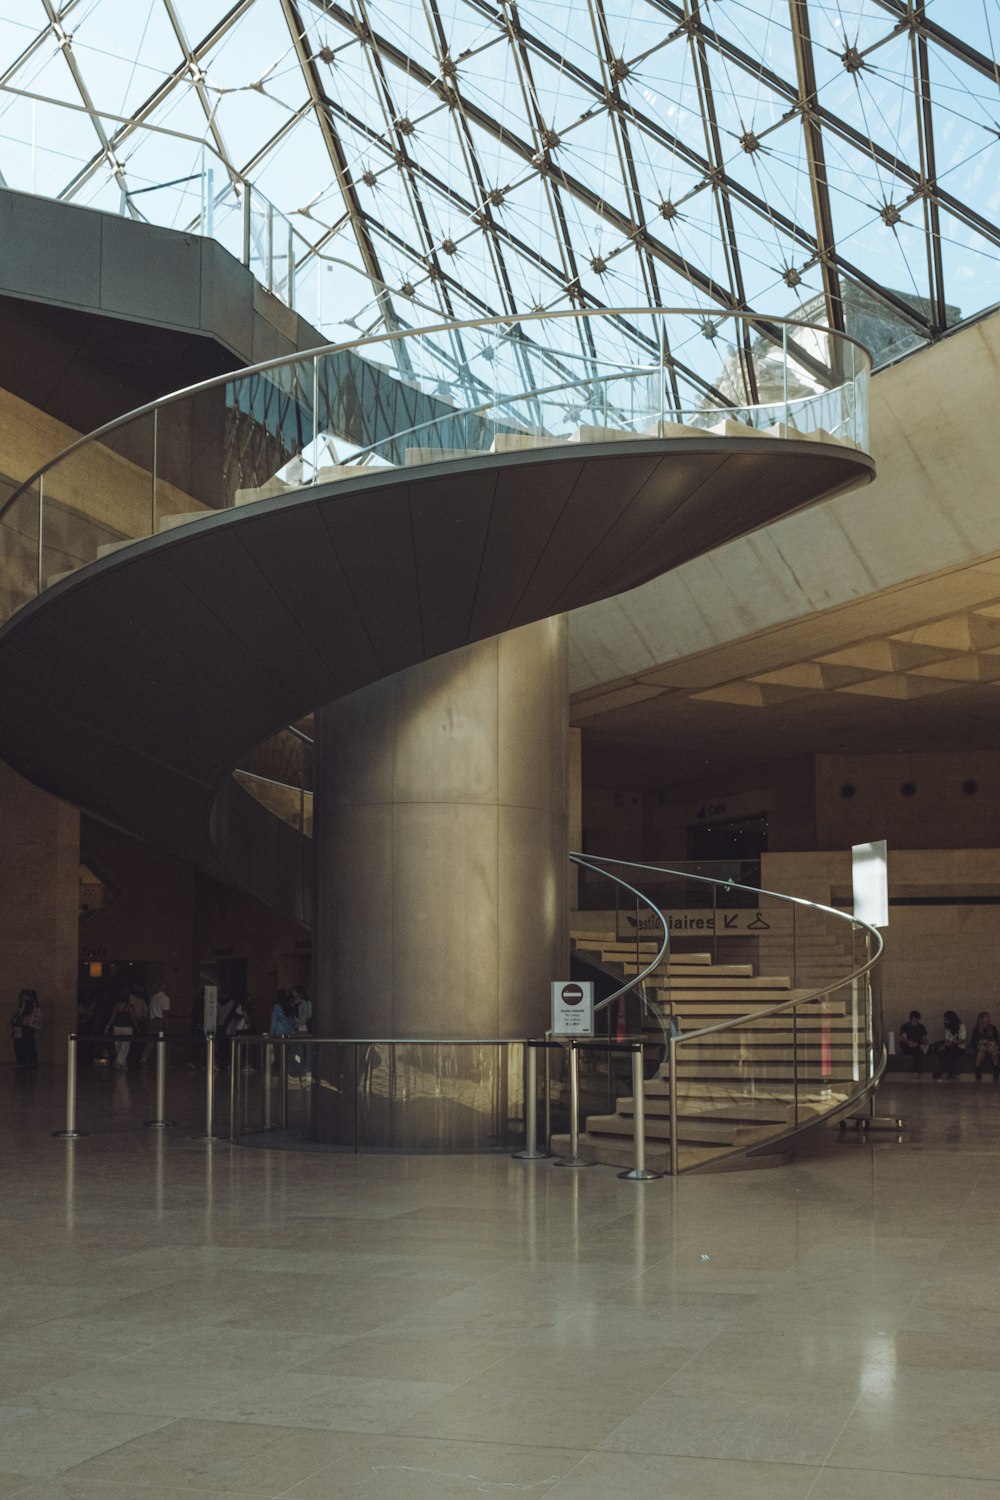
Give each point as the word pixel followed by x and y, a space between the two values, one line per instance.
pixel 815 157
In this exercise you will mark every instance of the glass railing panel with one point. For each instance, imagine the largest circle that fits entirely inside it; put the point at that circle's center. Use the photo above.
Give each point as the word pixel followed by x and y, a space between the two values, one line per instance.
pixel 19 534
pixel 228 217
pixel 736 1089
pixel 291 804
pixel 357 1095
pixel 98 498
pixel 265 424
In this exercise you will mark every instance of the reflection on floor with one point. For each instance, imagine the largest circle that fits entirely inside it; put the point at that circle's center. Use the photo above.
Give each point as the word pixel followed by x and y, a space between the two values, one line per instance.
pixel 188 1320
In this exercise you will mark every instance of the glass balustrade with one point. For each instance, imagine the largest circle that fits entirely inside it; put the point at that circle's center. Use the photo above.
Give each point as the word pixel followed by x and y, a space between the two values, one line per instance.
pixel 358 412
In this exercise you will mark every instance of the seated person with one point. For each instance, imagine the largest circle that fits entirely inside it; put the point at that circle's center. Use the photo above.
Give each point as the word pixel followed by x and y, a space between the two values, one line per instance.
pixel 986 1044
pixel 913 1040
pixel 950 1048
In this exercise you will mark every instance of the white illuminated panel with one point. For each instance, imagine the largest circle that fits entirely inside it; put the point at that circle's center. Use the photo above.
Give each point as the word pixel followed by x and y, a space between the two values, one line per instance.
pixel 870 872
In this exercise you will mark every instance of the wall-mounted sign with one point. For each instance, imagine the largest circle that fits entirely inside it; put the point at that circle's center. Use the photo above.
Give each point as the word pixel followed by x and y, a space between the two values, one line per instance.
pixel 741 921
pixel 572 1008
pixel 716 807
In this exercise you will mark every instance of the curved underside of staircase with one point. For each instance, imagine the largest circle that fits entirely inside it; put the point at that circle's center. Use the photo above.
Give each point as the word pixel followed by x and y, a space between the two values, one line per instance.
pixel 134 687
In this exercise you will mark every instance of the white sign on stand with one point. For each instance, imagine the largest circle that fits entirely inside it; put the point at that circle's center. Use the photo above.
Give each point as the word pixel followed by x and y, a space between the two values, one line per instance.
pixel 572 1008
pixel 211 993
pixel 870 878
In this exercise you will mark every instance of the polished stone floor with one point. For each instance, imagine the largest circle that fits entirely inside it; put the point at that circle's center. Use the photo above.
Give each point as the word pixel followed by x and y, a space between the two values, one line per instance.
pixel 181 1320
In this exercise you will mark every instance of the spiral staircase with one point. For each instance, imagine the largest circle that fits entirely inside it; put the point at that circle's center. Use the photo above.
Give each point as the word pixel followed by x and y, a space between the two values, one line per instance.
pixel 744 1055
pixel 188 581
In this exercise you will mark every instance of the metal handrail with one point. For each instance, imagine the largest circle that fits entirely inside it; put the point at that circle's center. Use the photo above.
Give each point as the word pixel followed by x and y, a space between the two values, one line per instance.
pixel 397 336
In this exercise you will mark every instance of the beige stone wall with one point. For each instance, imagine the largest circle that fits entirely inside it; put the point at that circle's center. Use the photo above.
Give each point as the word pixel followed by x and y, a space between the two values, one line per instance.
pixel 943 953
pixel 97 496
pixel 97 481
pixel 938 815
pixel 39 891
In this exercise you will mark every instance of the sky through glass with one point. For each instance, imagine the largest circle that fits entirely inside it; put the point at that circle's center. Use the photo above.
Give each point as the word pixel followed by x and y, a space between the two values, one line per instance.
pixel 418 160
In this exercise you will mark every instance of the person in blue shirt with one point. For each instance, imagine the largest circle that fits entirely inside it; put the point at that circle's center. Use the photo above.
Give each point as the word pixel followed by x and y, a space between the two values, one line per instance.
pixel 283 1022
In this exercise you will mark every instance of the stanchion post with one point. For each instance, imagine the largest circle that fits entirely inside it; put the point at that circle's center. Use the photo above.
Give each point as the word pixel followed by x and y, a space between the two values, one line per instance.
pixel 574 1159
pixel 266 1073
pixel 672 1055
pixel 530 1151
pixel 70 1133
pixel 209 1086
pixel 283 1084
pixel 161 1082
pixel 234 1092
pixel 639 1173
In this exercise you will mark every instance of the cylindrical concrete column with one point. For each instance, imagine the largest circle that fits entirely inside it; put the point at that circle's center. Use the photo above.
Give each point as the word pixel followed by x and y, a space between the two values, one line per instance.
pixel 441 844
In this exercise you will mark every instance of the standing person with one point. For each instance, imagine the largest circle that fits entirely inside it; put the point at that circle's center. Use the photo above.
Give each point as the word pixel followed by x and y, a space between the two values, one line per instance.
pixel 222 1032
pixel 24 1027
pixel 303 1023
pixel 950 1048
pixel 198 1048
pixel 237 1025
pixel 138 999
pixel 159 1010
pixel 283 1021
pixel 986 1044
pixel 303 1008
pixel 121 1028
pixel 913 1040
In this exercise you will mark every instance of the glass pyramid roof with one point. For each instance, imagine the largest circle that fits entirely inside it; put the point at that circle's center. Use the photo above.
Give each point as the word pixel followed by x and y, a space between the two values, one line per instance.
pixel 407 161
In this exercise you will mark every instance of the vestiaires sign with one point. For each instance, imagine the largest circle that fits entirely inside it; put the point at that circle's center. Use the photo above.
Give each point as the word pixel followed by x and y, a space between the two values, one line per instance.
pixel 572 1008
pixel 737 922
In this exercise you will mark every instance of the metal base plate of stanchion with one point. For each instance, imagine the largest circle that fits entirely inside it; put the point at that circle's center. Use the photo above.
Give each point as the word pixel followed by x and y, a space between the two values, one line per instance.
pixel 529 1154
pixel 159 1122
pixel 69 1135
pixel 635 1175
pixel 573 1161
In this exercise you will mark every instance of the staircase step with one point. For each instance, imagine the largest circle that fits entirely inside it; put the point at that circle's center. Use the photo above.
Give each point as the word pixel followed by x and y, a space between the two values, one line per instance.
pixel 592 434
pixel 760 1073
pixel 106 548
pixel 516 442
pixel 682 994
pixel 415 456
pixel 720 1047
pixel 740 1112
pixel 711 1011
pixel 613 1151
pixel 719 981
pixel 182 518
pixel 703 1132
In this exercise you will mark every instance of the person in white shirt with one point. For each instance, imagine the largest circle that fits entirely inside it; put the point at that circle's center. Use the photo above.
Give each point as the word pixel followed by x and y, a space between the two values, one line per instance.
pixel 159 1005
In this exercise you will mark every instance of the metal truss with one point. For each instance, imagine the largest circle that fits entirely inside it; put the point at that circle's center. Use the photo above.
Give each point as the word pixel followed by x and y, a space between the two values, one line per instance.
pixel 491 157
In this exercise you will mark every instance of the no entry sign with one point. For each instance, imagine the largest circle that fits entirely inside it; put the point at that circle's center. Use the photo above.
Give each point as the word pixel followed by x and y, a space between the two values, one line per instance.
pixel 572 1008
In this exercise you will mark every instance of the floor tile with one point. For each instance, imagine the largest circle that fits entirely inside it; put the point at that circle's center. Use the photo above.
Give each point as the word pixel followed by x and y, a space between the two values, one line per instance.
pixel 408 1468
pixel 643 1476
pixel 877 1484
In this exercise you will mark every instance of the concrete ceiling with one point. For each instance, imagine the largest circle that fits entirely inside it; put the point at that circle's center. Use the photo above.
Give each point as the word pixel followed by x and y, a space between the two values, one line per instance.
pixel 914 668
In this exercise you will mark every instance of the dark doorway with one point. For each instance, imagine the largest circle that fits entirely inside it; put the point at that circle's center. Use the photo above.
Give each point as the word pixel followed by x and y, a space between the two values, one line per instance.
pixel 733 838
